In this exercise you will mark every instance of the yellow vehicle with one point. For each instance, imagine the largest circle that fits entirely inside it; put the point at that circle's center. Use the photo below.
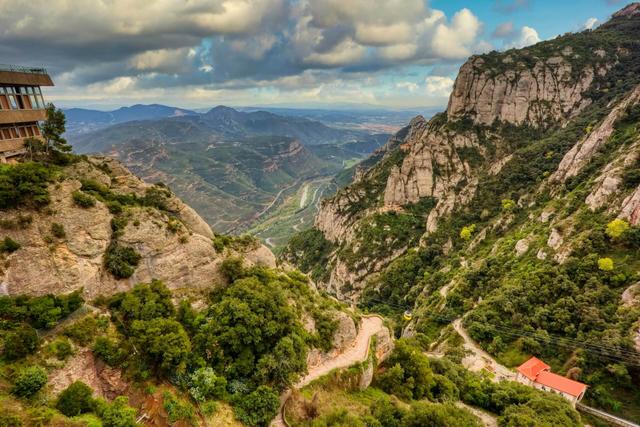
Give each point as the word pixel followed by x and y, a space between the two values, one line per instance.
pixel 407 315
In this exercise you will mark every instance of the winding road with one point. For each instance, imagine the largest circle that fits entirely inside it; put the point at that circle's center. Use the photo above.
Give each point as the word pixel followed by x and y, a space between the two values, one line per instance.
pixel 358 352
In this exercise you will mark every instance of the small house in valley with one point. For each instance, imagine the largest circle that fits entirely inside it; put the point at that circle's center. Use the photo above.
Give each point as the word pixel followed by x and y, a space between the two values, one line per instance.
pixel 534 372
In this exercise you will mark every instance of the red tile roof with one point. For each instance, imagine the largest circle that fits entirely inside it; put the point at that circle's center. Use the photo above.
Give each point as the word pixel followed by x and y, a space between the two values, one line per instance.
pixel 560 383
pixel 532 367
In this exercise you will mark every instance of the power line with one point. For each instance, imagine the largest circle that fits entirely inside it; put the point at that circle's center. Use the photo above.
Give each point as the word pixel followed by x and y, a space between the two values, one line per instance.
pixel 610 352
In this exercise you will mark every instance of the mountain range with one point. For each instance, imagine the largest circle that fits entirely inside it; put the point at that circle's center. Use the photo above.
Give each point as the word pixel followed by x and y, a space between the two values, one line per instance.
pixel 231 166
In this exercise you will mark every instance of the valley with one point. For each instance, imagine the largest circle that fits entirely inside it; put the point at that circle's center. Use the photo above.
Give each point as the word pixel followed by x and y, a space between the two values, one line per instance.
pixel 234 168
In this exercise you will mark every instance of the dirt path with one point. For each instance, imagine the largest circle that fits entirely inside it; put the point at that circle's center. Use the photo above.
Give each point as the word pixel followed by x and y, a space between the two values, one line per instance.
pixel 358 352
pixel 480 359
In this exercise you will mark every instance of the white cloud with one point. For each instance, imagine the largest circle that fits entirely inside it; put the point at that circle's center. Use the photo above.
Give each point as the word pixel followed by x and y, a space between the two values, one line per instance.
pixel 455 41
pixel 527 37
pixel 347 52
pixel 438 86
pixel 590 24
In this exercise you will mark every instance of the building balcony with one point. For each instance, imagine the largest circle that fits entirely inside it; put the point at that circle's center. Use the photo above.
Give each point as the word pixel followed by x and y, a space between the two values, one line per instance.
pixel 22 116
pixel 12 74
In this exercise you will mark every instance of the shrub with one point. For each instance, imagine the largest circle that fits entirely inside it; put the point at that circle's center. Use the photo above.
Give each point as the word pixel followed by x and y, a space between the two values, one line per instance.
pixel 605 264
pixel 205 385
pixel 177 409
pixel 617 228
pixel 21 342
pixel 9 245
pixel 10 420
pixel 232 268
pixel 57 230
pixel 83 331
pixel 117 414
pixel 83 200
pixel 121 261
pixel 29 381
pixel 61 349
pixel 75 399
pixel 24 184
pixel 258 407
pixel 467 232
pixel 508 205
pixel 108 350
pixel 115 207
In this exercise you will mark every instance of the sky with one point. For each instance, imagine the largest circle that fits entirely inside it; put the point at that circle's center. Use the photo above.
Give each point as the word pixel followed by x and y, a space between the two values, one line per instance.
pixel 396 54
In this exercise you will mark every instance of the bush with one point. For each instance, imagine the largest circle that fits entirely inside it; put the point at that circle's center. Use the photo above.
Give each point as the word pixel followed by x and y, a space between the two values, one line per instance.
pixel 83 331
pixel 57 230
pixel 24 184
pixel 409 375
pixel 259 407
pixel 117 414
pixel 61 349
pixel 110 351
pixel 115 207
pixel 617 228
pixel 20 342
pixel 205 385
pixel 177 409
pixel 121 261
pixel 10 420
pixel 75 399
pixel 29 381
pixel 232 268
pixel 83 200
pixel 9 245
pixel 605 264
pixel 467 232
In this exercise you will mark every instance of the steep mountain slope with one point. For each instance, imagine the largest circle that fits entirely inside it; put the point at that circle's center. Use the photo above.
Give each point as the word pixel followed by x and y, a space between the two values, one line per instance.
pixel 119 306
pixel 230 166
pixel 64 247
pixel 501 210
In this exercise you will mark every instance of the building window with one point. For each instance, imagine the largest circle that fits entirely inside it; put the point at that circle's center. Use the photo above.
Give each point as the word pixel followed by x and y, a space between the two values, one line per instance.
pixel 21 98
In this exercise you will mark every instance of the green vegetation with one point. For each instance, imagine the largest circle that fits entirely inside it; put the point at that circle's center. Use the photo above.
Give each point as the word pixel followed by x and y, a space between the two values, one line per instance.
pixel 29 381
pixel 25 185
pixel 83 200
pixel 616 228
pixel 259 407
pixel 309 251
pixel 121 261
pixel 57 230
pixel 75 399
pixel 8 245
pixel 427 389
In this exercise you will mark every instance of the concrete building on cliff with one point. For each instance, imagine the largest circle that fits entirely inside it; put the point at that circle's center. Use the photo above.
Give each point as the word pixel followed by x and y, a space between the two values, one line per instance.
pixel 22 106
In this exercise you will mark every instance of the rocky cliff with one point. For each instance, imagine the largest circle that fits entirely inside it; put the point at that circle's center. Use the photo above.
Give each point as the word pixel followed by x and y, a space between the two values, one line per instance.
pixel 518 124
pixel 174 243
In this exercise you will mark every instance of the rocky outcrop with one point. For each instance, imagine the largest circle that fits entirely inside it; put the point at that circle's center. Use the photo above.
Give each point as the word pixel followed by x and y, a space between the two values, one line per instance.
pixel 581 153
pixel 607 184
pixel 183 259
pixel 343 338
pixel 332 219
pixel 631 208
pixel 105 381
pixel 513 92
pixel 432 168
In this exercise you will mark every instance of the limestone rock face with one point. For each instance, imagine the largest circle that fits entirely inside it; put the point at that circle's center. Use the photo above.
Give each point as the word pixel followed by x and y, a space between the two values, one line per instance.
pixel 45 264
pixel 105 381
pixel 343 338
pixel 432 168
pixel 631 208
pixel 581 153
pixel 548 91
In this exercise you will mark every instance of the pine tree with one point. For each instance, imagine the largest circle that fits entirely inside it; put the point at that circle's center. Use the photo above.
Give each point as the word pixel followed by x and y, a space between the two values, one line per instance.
pixel 53 128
